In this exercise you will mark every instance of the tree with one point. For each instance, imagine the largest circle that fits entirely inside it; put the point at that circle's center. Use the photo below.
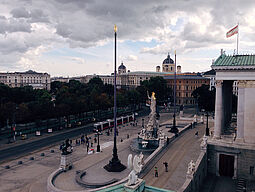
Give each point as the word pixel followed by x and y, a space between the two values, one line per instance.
pixel 205 97
pixel 157 85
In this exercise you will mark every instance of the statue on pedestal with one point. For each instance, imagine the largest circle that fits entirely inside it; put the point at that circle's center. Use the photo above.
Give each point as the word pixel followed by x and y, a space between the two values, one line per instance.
pixel 65 146
pixel 203 144
pixel 191 168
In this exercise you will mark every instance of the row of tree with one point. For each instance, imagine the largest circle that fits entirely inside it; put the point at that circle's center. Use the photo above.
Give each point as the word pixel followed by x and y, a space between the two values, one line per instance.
pixel 25 104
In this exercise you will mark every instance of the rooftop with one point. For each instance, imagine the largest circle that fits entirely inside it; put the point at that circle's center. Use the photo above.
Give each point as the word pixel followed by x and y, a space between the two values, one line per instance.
pixel 185 77
pixel 211 72
pixel 234 60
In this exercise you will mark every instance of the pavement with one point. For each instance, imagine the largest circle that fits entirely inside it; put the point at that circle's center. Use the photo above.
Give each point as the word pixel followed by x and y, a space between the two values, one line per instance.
pixel 32 175
pixel 179 154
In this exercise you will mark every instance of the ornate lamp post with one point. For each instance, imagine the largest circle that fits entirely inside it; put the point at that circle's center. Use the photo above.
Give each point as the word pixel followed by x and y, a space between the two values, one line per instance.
pixel 114 164
pixel 174 128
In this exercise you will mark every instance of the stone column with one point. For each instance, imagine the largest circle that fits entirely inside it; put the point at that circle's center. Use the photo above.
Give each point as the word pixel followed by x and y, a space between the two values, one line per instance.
pixel 218 110
pixel 249 112
pixel 240 111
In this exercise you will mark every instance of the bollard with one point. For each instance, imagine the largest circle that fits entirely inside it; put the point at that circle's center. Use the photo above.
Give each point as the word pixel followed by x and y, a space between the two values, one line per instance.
pixel 52 151
pixel 42 154
pixel 121 140
pixel 20 162
pixel 32 158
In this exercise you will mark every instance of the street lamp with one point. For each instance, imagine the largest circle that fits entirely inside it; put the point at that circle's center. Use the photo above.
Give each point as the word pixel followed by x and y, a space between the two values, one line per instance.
pixel 174 128
pixel 207 128
pixel 114 164
pixel 98 145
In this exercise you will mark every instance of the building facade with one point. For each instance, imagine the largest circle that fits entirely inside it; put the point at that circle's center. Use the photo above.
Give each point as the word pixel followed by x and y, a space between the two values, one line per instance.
pixel 231 150
pixel 186 83
pixel 28 78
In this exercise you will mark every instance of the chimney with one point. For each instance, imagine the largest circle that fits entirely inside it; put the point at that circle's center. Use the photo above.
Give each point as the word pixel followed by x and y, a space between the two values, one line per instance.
pixel 221 52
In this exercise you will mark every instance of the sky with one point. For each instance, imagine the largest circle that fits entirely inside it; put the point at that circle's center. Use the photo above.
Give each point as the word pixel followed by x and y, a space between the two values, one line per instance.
pixel 76 37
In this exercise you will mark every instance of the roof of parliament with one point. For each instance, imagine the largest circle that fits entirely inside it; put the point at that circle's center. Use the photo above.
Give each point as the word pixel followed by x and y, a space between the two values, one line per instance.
pixel 168 60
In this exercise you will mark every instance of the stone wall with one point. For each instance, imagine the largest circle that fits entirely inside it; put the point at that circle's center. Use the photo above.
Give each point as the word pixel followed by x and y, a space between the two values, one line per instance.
pixel 194 182
pixel 244 160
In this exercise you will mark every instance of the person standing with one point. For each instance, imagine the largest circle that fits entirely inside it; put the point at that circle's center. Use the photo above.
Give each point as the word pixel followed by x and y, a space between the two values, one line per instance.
pixel 166 166
pixel 87 147
pixel 156 171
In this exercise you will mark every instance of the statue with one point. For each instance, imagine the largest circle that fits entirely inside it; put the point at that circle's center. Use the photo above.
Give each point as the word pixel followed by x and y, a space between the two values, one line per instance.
pixel 152 124
pixel 137 167
pixel 203 144
pixel 64 147
pixel 191 168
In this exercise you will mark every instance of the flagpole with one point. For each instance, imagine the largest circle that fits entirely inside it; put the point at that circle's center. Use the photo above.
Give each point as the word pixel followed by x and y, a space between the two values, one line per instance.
pixel 237 39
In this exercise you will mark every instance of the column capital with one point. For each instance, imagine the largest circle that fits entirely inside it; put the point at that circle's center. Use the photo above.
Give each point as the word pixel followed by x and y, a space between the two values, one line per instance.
pixel 246 84
pixel 241 83
pixel 219 83
pixel 250 84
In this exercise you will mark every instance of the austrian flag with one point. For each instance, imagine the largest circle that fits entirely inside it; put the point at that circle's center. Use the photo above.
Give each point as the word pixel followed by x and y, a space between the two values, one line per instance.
pixel 232 31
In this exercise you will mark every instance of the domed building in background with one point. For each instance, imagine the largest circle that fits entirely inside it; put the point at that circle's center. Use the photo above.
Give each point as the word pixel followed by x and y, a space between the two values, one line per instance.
pixel 122 69
pixel 168 64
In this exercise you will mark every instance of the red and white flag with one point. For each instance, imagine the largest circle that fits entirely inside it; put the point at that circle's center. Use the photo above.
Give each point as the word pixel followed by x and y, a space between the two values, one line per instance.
pixel 232 31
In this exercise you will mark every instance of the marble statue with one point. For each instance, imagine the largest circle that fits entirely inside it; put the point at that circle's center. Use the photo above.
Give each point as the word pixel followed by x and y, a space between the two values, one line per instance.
pixel 137 167
pixel 203 144
pixel 152 117
pixel 129 163
pixel 191 167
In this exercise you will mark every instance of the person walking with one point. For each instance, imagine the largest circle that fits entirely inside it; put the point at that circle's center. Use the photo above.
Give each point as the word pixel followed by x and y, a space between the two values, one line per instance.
pixel 196 134
pixel 166 166
pixel 156 171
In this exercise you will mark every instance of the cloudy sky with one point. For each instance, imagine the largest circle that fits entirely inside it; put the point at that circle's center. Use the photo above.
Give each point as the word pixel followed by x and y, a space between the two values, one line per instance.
pixel 75 37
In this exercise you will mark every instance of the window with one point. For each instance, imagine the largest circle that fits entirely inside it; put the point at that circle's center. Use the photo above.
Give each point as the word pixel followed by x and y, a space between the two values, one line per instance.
pixel 187 87
pixel 171 68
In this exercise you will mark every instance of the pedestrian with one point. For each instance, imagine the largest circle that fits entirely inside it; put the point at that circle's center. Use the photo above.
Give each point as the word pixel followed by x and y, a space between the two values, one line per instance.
pixel 95 140
pixel 196 134
pixel 91 144
pixel 87 147
pixel 166 166
pixel 156 171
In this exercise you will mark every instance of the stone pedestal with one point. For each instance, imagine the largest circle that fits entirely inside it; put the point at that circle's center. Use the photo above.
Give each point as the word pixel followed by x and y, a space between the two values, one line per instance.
pixel 66 162
pixel 138 187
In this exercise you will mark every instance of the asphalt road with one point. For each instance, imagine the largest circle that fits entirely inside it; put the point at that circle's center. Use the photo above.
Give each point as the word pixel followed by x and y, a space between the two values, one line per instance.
pixel 19 150
pixel 16 151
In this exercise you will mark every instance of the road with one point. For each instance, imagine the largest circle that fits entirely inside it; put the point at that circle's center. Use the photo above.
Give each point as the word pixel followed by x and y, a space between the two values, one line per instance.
pixel 16 151
pixel 178 155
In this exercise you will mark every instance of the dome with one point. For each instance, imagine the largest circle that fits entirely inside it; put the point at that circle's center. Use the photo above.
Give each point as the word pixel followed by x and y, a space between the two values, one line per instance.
pixel 122 66
pixel 168 60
